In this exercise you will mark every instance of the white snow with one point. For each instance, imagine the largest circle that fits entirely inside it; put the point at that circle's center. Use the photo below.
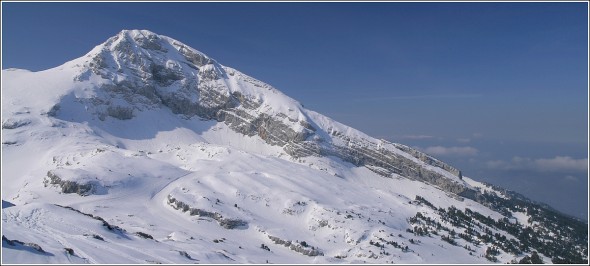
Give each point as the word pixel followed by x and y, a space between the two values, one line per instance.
pixel 137 164
pixel 482 187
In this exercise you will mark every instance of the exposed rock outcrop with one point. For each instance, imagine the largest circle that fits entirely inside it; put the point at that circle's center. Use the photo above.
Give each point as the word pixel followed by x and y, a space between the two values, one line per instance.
pixel 302 247
pixel 382 161
pixel 69 186
pixel 109 226
pixel 14 242
pixel 152 71
pixel 14 123
pixel 226 223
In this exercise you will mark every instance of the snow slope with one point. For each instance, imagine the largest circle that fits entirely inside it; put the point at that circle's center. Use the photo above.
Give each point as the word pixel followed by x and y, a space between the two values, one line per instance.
pixel 130 154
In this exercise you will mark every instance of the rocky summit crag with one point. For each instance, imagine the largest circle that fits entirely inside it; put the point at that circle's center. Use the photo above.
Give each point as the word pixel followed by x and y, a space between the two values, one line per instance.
pixel 142 70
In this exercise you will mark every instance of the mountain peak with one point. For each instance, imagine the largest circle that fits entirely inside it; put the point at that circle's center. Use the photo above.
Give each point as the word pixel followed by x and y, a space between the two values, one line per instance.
pixel 144 39
pixel 135 32
pixel 133 48
pixel 150 151
pixel 138 70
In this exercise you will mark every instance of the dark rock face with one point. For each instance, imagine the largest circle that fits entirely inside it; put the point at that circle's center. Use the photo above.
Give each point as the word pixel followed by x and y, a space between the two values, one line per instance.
pixel 120 112
pixel 69 186
pixel 12 124
pixel 32 246
pixel 226 223
pixel 185 254
pixel 427 159
pixel 382 161
pixel 70 251
pixel 302 247
pixel 109 226
pixel 144 235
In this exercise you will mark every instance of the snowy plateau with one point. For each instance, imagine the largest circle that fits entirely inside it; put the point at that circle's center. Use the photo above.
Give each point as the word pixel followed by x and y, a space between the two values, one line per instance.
pixel 146 150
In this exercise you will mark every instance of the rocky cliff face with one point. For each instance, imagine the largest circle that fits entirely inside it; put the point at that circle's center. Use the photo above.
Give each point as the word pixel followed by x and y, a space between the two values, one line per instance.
pixel 141 70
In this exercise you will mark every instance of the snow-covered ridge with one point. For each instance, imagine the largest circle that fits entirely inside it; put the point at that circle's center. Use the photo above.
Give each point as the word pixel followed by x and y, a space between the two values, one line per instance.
pixel 146 150
pixel 138 70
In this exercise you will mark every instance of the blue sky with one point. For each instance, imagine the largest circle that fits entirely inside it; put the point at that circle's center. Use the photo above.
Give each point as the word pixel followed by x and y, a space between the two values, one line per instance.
pixel 500 90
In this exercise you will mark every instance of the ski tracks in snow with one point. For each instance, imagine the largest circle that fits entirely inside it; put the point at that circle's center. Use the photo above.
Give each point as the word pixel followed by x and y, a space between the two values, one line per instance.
pixel 156 192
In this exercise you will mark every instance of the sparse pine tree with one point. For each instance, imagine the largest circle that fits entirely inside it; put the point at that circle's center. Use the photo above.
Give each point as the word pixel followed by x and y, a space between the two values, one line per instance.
pixel 535 258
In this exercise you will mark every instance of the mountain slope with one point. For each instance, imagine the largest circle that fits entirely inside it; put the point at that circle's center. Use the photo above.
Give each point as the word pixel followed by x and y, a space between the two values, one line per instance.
pixel 151 151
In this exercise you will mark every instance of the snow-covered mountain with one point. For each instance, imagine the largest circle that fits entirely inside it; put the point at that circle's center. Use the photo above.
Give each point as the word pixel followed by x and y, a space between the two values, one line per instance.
pixel 146 150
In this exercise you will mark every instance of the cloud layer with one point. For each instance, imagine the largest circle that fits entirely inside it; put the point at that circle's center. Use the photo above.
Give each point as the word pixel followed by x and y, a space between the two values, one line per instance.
pixel 416 137
pixel 451 151
pixel 557 164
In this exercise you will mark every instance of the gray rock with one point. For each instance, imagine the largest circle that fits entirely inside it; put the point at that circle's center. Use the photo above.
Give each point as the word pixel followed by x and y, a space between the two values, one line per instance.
pixel 69 186
pixel 302 247
pixel 14 123
pixel 120 112
pixel 53 111
pixel 226 223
